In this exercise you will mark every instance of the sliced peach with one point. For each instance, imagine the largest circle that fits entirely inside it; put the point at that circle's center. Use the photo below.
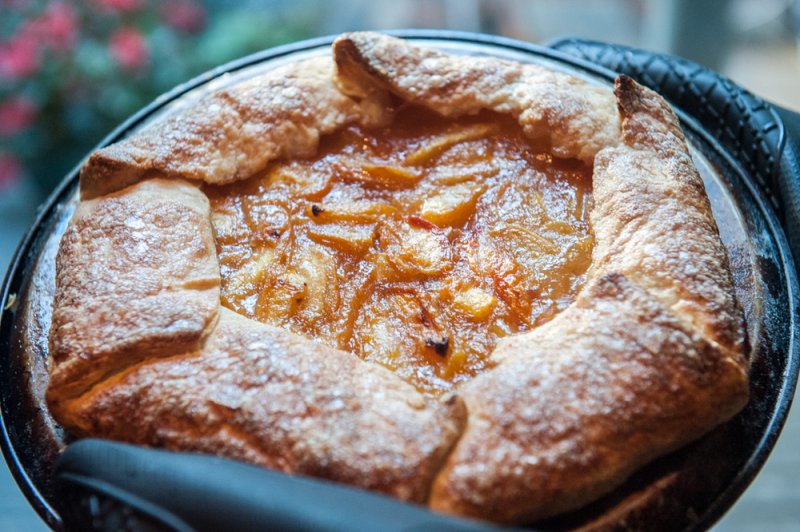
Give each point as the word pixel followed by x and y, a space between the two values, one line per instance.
pixel 415 251
pixel 460 173
pixel 387 176
pixel 452 206
pixel 253 272
pixel 305 292
pixel 229 228
pixel 474 302
pixel 437 145
pixel 300 178
pixel 352 239
pixel 532 240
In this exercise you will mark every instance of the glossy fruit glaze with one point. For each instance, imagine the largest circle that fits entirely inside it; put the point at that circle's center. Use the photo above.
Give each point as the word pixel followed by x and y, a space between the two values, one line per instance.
pixel 417 246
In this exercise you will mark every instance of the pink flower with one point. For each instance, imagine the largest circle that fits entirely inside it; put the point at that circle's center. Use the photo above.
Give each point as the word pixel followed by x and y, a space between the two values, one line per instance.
pixel 10 169
pixel 57 26
pixel 129 48
pixel 16 114
pixel 184 15
pixel 122 6
pixel 19 56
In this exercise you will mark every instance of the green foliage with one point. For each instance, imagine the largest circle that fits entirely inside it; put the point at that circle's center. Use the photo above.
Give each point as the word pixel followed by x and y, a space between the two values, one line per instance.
pixel 70 71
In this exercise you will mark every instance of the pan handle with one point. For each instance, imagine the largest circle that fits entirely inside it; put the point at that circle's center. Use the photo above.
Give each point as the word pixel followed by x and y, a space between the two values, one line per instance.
pixel 104 485
pixel 763 138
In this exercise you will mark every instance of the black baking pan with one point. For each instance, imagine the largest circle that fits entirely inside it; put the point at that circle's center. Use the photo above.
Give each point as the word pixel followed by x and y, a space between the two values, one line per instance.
pixel 747 156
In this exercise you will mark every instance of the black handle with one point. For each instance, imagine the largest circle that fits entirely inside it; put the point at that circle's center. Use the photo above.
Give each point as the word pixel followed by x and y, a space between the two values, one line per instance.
pixel 763 138
pixel 789 180
pixel 113 486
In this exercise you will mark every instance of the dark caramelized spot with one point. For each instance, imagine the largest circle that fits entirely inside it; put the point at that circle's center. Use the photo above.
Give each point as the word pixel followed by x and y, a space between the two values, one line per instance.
pixel 439 345
pixel 417 246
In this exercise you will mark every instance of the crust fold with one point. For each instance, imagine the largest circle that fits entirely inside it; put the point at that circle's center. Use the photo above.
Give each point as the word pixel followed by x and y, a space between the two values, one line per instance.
pixel 231 134
pixel 136 277
pixel 608 385
pixel 649 357
pixel 576 118
pixel 653 222
pixel 264 395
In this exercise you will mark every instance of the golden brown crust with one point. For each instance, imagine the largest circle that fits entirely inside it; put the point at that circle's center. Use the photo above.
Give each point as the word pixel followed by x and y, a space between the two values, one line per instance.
pixel 136 277
pixel 611 383
pixel 653 222
pixel 232 133
pixel 576 117
pixel 649 357
pixel 267 396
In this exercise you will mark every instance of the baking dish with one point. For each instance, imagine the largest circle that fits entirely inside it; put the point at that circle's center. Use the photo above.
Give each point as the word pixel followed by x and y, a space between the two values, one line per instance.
pixel 747 184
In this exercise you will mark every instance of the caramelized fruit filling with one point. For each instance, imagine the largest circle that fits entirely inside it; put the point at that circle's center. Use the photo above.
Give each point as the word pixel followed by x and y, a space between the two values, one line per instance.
pixel 417 246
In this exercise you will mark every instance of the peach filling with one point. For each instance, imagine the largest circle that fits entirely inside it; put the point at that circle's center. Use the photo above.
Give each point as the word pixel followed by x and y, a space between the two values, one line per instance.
pixel 417 246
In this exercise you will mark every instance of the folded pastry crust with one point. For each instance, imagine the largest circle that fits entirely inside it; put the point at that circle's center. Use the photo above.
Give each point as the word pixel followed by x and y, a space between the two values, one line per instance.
pixel 235 132
pixel 137 278
pixel 649 357
pixel 261 394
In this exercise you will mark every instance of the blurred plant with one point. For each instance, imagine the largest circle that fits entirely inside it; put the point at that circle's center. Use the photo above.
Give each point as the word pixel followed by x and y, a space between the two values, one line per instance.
pixel 71 70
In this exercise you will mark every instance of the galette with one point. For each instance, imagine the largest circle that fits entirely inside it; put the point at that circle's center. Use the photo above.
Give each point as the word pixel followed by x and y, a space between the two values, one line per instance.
pixel 488 287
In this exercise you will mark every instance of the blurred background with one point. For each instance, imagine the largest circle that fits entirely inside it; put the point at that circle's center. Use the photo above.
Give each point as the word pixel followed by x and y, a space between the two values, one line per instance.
pixel 70 71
